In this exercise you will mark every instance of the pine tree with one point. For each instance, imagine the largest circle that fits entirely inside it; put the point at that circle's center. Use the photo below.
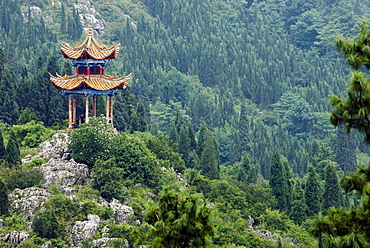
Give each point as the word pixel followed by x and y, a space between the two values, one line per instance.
pixel 312 192
pixel 2 147
pixel 180 220
pixel 353 111
pixel 12 153
pixel 243 130
pixel 63 27
pixel 332 196
pixel 344 149
pixel 141 118
pixel 299 207
pixel 4 202
pixel 278 182
pixel 210 158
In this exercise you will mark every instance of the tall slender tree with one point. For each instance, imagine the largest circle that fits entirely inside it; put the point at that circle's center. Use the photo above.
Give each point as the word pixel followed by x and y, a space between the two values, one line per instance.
pixel 332 196
pixel 278 182
pixel 312 192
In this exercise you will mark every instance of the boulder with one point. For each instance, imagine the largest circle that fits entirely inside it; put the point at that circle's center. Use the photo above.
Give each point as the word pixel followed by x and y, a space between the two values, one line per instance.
pixel 64 173
pixel 104 242
pixel 28 201
pixel 15 238
pixel 121 213
pixel 82 230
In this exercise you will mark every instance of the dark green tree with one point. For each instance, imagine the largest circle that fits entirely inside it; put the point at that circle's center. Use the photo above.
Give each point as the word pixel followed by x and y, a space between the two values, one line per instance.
pixel 332 196
pixel 179 220
pixel 63 22
pixel 344 228
pixel 2 147
pixel 210 158
pixel 26 116
pixel 107 178
pixel 12 153
pixel 344 149
pixel 243 130
pixel 312 192
pixel 353 111
pixel 4 202
pixel 46 224
pixel 142 123
pixel 298 206
pixel 278 182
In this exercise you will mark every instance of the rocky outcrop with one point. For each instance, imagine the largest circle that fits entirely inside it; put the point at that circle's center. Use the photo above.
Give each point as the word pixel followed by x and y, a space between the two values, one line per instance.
pixel 15 238
pixel 82 230
pixel 121 213
pixel 104 242
pixel 28 201
pixel 64 173
pixel 88 14
pixel 57 148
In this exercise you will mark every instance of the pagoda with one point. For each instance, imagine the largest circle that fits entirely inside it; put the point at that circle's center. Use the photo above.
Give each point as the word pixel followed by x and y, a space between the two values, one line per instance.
pixel 89 59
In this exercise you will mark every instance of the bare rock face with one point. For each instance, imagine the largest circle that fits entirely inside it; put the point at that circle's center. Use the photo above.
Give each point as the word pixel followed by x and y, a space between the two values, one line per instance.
pixel 28 201
pixel 104 242
pixel 15 238
pixel 64 173
pixel 121 213
pixel 57 148
pixel 82 230
pixel 88 14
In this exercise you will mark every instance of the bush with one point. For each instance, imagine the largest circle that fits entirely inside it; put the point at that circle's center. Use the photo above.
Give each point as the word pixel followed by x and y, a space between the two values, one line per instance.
pixel 46 224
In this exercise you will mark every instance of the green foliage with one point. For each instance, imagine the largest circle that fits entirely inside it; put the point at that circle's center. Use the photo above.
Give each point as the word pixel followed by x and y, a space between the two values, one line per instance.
pixel 332 196
pixel 36 162
pixel 180 219
pixel 108 179
pixel 12 153
pixel 353 110
pixel 4 202
pixel 32 133
pixel 278 182
pixel 92 141
pixel 312 192
pixel 26 116
pixel 347 227
pixel 21 177
pixel 2 147
pixel 299 207
pixel 46 224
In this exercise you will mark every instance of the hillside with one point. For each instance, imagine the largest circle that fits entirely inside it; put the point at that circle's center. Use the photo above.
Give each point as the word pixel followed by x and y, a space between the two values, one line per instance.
pixel 236 92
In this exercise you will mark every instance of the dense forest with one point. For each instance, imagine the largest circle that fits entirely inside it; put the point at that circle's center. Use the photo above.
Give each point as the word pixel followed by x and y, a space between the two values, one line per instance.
pixel 232 96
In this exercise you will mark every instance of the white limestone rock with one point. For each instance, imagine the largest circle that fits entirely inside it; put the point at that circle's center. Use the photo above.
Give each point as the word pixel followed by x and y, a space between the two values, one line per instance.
pixel 64 173
pixel 15 238
pixel 104 242
pixel 121 213
pixel 88 14
pixel 82 230
pixel 57 148
pixel 28 201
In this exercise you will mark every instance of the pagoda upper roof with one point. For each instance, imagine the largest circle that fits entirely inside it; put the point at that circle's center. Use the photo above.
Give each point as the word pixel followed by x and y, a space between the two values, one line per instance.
pixel 90 48
pixel 96 82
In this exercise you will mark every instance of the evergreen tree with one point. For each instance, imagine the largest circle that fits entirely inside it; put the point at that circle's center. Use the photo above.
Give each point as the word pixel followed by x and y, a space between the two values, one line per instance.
pixel 63 26
pixel 2 147
pixel 243 130
pixel 312 192
pixel 141 118
pixel 278 182
pixel 210 158
pixel 344 149
pixel 26 116
pixel 12 153
pixel 347 227
pixel 180 220
pixel 353 111
pixel 299 207
pixel 4 202
pixel 332 196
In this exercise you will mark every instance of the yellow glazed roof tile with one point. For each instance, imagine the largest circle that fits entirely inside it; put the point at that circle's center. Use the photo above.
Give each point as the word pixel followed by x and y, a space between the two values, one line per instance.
pixel 90 48
pixel 95 82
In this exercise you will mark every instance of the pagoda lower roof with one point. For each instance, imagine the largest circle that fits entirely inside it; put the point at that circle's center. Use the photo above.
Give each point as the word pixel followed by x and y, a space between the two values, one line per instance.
pixel 96 82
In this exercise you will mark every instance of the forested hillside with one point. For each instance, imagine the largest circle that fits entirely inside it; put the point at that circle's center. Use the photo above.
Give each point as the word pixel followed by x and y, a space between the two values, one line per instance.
pixel 232 94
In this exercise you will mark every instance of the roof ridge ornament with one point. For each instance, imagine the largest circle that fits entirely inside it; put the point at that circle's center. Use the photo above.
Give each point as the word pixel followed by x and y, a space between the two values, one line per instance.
pixel 90 29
